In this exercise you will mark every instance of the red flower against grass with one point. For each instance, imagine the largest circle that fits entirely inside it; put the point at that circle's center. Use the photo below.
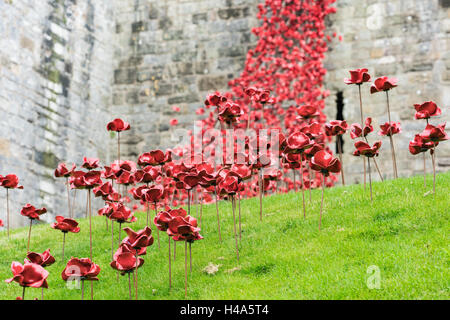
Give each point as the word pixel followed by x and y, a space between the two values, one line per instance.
pixel 44 259
pixel 80 269
pixel 65 225
pixel 29 275
pixel 31 212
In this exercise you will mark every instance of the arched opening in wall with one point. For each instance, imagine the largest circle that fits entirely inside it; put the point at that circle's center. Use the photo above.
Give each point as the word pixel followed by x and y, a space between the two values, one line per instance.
pixel 339 116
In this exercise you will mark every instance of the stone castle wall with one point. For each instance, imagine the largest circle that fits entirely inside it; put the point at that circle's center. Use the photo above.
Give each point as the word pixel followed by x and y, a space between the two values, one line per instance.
pixel 55 94
pixel 67 67
pixel 406 39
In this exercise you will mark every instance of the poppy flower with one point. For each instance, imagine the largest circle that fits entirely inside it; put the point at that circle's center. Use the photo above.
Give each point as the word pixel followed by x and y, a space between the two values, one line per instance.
pixel 336 127
pixel 82 269
pixel 154 158
pixel 364 149
pixel 297 142
pixel 44 259
pixel 426 110
pixel 1 223
pixel 140 240
pixel 434 133
pixel 419 145
pixel 125 260
pixel 229 185
pixel 118 125
pixel 10 181
pixel 31 212
pixel 122 214
pixel 173 122
pixel 251 91
pixel 153 193
pixel 214 99
pixel 85 180
pixel 324 162
pixel 147 175
pixel 29 275
pixel 390 128
pixel 230 112
pixel 358 77
pixel 383 84
pixel 356 131
pixel 307 111
pixel 90 163
pixel 63 171
pixel 65 225
pixel 103 190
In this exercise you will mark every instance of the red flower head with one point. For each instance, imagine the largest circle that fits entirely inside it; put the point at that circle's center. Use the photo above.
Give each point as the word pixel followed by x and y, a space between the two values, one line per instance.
pixel 125 260
pixel 29 275
pixel 184 229
pixel 364 149
pixel 426 110
pixel 230 112
pixel 434 133
pixel 297 142
pixel 90 163
pixel 147 175
pixel 153 193
pixel 358 76
pixel 229 185
pixel 10 181
pixel 154 158
pixel 140 240
pixel 251 91
pixel 214 99
pixel 383 84
pixel 356 131
pixel 85 180
pixel 44 259
pixel 307 111
pixel 242 171
pixel 272 174
pixel 110 172
pixel 118 125
pixel 419 145
pixel 126 178
pixel 390 128
pixel 1 223
pixel 163 218
pixel 65 225
pixel 336 128
pixel 103 190
pixel 121 214
pixel 262 96
pixel 62 171
pixel 309 153
pixel 325 163
pixel 31 212
pixel 82 269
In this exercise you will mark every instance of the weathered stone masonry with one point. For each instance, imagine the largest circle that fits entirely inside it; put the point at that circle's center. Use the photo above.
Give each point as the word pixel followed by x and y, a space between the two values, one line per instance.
pixel 67 67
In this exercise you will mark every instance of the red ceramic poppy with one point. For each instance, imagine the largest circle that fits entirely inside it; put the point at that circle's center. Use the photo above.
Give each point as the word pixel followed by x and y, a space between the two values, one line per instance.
pixel 419 145
pixel 85 180
pixel 383 84
pixel 153 193
pixel 31 212
pixel 358 77
pixel 125 260
pixel 103 190
pixel 229 112
pixel 44 259
pixel 147 175
pixel 307 111
pixel 29 275
pixel 229 185
pixel 356 131
pixel 10 181
pixel 82 269
pixel 139 240
pixel 364 149
pixel 1 223
pixel 65 225
pixel 90 163
pixel 62 171
pixel 214 99
pixel 121 213
pixel 390 128
pixel 426 110
pixel 325 163
pixel 297 142
pixel 434 133
pixel 118 125
pixel 336 128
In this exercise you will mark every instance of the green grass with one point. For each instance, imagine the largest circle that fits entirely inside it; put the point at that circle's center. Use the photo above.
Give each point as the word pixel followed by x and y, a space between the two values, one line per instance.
pixel 404 232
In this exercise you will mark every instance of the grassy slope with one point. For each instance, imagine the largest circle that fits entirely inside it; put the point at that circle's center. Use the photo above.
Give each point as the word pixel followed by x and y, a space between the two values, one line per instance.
pixel 403 232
